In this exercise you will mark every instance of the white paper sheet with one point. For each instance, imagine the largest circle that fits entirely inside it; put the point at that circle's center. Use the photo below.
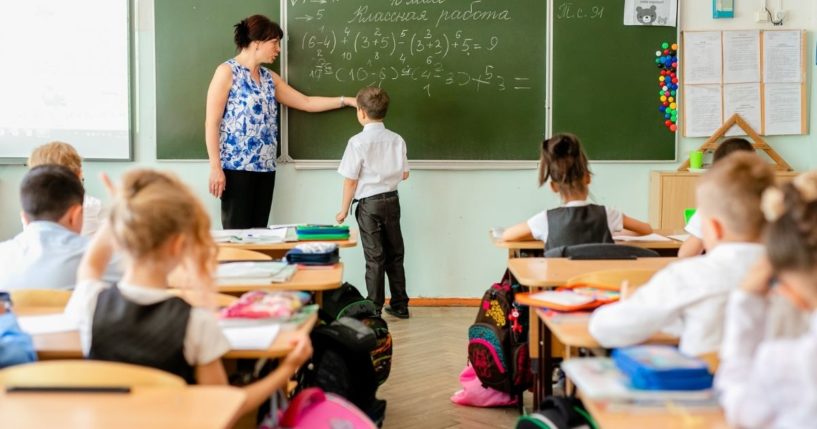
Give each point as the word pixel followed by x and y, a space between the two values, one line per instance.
pixel 783 106
pixel 641 238
pixel 651 12
pixel 741 56
pixel 46 324
pixel 679 237
pixel 702 110
pixel 239 270
pixel 251 337
pixel 782 57
pixel 743 99
pixel 702 57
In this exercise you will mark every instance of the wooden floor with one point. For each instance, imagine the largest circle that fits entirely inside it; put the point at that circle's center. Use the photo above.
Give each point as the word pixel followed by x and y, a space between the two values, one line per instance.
pixel 430 350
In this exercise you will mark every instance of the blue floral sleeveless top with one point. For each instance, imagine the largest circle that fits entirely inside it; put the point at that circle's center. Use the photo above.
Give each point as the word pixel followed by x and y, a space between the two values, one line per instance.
pixel 248 137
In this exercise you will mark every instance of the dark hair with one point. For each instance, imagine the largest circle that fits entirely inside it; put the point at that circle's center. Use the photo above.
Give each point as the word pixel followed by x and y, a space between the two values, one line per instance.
pixel 48 191
pixel 256 28
pixel 562 160
pixel 728 146
pixel 791 239
pixel 374 101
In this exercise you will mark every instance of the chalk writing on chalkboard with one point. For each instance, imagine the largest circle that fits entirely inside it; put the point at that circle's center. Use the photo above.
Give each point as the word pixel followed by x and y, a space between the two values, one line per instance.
pixel 365 47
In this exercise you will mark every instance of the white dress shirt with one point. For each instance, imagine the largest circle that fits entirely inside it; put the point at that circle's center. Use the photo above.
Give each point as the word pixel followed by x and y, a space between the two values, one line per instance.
pixel 45 255
pixel 538 224
pixel 766 384
pixel 204 341
pixel 376 158
pixel 690 294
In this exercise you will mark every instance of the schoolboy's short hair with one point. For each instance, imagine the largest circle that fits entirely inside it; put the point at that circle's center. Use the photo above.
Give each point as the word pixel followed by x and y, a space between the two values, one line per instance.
pixel 374 101
pixel 732 190
pixel 56 153
pixel 48 191
pixel 731 145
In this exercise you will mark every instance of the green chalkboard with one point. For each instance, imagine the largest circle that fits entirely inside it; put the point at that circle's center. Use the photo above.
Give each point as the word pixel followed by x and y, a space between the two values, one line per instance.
pixel 466 77
pixel 605 81
pixel 192 38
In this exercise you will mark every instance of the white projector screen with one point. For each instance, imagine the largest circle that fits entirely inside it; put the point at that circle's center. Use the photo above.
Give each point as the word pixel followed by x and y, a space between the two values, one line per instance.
pixel 64 76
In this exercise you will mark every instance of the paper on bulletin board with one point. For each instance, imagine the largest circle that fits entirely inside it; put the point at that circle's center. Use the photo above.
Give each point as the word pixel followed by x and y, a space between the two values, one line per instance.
pixel 743 99
pixel 703 113
pixel 741 57
pixel 702 57
pixel 783 109
pixel 782 56
pixel 651 12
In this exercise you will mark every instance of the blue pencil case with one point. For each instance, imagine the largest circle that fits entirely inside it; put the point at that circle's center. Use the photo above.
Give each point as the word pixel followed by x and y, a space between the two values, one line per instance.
pixel 662 368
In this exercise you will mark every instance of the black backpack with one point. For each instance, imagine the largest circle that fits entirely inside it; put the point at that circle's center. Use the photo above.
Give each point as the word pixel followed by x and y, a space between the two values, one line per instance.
pixel 558 413
pixel 351 352
pixel 498 340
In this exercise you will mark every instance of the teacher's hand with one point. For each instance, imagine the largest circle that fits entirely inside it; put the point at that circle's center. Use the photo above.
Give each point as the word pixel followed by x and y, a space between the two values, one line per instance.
pixel 217 182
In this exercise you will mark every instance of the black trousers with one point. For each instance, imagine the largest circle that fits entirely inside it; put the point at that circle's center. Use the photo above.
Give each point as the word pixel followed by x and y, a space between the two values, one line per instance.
pixel 247 199
pixel 378 218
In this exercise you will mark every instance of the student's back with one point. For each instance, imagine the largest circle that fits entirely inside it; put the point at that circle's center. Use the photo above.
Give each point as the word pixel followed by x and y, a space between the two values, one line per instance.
pixel 564 164
pixel 48 251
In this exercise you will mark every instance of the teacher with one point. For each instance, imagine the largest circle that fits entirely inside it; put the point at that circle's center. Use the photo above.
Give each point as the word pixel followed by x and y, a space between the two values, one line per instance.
pixel 241 123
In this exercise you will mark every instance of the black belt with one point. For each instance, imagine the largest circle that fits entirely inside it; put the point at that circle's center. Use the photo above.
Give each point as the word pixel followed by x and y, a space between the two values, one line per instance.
pixel 382 196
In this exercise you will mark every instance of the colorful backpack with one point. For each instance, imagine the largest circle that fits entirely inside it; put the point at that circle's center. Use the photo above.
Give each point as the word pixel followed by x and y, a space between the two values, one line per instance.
pixel 498 340
pixel 314 409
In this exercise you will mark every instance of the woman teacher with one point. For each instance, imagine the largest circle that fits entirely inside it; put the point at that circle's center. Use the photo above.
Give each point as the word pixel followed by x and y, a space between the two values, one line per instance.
pixel 241 124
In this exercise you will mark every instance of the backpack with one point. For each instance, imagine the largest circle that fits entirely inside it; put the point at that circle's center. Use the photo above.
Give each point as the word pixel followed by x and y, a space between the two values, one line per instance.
pixel 557 412
pixel 314 409
pixel 347 301
pixel 498 340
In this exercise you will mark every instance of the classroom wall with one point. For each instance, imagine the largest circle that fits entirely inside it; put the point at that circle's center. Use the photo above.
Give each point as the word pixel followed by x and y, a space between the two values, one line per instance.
pixel 446 214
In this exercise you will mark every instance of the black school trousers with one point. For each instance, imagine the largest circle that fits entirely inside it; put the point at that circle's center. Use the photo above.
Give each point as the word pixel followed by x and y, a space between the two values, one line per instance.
pixel 378 218
pixel 247 199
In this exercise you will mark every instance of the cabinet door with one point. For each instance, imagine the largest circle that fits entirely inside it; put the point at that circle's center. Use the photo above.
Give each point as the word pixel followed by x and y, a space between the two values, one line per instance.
pixel 678 194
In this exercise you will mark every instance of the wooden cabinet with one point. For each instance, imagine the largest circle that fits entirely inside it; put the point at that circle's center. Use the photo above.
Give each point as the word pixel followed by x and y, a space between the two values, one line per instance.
pixel 672 192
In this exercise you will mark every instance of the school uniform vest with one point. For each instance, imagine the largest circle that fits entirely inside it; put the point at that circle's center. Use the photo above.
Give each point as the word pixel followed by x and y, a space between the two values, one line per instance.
pixel 148 335
pixel 569 226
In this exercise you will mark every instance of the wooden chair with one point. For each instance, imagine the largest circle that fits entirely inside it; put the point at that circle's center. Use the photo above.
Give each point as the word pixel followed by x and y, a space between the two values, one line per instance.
pixel 87 373
pixel 612 279
pixel 226 254
pixel 40 298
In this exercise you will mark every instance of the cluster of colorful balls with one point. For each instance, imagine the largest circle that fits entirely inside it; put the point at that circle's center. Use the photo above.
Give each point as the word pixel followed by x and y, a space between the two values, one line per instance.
pixel 667 61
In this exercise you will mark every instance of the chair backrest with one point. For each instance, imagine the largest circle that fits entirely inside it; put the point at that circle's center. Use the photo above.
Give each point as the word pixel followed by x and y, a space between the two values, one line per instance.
pixel 87 373
pixel 600 251
pixel 612 279
pixel 235 254
pixel 40 298
pixel 688 213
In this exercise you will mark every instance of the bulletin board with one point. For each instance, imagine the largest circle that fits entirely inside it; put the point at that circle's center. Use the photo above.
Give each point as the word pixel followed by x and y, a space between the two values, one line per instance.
pixel 759 75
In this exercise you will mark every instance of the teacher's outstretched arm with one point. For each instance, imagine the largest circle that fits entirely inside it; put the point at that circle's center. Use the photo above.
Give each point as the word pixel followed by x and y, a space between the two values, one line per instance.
pixel 216 102
pixel 290 97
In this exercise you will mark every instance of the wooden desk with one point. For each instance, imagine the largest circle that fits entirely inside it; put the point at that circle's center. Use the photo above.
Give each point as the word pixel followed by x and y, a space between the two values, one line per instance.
pixel 66 345
pixel 614 416
pixel 541 273
pixel 194 407
pixel 318 280
pixel 662 247
pixel 278 250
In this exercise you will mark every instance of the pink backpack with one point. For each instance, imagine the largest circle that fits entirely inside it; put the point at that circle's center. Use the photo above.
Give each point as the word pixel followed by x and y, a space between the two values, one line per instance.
pixel 474 394
pixel 314 409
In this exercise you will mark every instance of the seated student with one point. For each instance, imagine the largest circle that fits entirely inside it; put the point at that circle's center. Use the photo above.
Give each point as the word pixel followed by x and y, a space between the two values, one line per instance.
pixel 15 345
pixel 578 221
pixel 694 245
pixel 768 383
pixel 48 251
pixel 691 294
pixel 64 154
pixel 159 225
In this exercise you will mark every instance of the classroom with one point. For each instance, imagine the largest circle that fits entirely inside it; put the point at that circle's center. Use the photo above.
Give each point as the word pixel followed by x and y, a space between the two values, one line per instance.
pixel 474 154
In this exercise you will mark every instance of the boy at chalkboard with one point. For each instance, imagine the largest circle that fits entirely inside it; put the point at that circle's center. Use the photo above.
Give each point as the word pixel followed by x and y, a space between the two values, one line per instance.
pixel 373 164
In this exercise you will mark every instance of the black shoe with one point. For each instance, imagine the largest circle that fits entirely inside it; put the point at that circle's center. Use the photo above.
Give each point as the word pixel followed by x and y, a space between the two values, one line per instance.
pixel 400 313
